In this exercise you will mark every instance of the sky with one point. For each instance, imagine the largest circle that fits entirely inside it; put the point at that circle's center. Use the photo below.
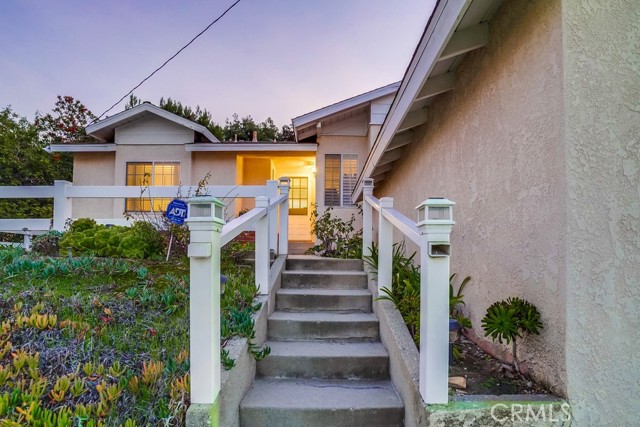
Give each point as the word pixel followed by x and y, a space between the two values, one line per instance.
pixel 265 58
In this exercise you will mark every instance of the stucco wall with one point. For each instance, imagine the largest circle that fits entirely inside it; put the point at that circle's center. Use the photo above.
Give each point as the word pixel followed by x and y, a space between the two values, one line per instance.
pixel 93 169
pixel 602 98
pixel 495 146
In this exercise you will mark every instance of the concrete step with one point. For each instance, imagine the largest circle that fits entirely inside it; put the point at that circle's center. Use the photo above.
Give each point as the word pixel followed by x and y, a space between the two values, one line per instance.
pixel 329 360
pixel 334 279
pixel 322 403
pixel 343 300
pixel 309 326
pixel 312 262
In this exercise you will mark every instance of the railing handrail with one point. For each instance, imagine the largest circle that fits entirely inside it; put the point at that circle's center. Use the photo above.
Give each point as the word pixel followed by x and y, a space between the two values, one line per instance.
pixel 373 201
pixel 403 224
pixel 237 225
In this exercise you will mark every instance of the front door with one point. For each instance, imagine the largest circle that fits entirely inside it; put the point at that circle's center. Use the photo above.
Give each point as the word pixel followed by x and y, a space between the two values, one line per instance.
pixel 299 221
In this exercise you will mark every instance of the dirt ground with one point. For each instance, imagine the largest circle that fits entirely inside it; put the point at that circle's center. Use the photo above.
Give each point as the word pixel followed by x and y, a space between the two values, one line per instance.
pixel 486 375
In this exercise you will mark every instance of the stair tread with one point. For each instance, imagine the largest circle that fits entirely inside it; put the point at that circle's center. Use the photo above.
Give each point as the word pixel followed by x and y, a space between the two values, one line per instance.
pixel 323 291
pixel 322 316
pixel 322 394
pixel 328 349
pixel 325 272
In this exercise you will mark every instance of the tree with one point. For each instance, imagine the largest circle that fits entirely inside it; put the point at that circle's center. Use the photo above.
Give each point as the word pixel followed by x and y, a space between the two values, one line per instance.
pixel 23 161
pixel 66 123
pixel 199 115
pixel 286 134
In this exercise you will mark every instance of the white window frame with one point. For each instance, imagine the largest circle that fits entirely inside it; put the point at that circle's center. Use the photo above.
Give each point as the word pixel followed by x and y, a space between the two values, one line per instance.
pixel 354 156
pixel 150 184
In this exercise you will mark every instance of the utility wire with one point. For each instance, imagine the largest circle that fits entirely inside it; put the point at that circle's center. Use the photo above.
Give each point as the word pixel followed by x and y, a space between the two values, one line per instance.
pixel 167 61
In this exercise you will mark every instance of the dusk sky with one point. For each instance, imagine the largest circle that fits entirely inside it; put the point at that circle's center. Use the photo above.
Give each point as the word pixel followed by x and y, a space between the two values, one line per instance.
pixel 278 58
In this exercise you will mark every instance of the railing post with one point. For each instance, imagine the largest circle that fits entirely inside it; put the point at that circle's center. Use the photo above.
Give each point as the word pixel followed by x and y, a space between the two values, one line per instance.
pixel 27 241
pixel 283 243
pixel 367 217
pixel 262 247
pixel 385 246
pixel 205 223
pixel 435 221
pixel 61 204
pixel 272 194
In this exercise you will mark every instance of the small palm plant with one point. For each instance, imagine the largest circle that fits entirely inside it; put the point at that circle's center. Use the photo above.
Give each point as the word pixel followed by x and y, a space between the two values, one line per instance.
pixel 509 319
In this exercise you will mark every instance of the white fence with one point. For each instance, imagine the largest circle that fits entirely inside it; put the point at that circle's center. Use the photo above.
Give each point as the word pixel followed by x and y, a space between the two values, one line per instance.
pixel 62 192
pixel 432 235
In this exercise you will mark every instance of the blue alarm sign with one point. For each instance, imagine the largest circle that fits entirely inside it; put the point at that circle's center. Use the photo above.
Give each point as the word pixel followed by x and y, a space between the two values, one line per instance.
pixel 177 211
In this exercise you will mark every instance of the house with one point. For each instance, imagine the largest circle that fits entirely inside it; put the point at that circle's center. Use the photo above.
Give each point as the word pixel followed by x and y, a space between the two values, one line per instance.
pixel 148 146
pixel 526 113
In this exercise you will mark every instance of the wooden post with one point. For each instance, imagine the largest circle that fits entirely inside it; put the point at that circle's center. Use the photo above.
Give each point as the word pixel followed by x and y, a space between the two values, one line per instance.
pixel 283 242
pixel 262 247
pixel 385 246
pixel 61 204
pixel 435 229
pixel 367 217
pixel 272 194
pixel 205 225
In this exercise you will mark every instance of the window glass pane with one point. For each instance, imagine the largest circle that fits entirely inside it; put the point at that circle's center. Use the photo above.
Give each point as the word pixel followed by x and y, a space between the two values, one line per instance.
pixel 332 180
pixel 297 197
pixel 349 177
pixel 151 174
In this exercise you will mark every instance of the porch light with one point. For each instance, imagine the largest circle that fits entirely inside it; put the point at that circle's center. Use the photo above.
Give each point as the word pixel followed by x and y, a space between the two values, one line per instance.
pixel 206 208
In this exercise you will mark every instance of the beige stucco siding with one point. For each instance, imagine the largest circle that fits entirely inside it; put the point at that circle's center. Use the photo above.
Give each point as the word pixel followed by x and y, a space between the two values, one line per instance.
pixel 494 146
pixel 93 169
pixel 602 98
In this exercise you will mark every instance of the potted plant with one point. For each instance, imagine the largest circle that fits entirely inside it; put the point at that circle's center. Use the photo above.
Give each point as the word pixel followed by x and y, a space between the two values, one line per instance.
pixel 510 319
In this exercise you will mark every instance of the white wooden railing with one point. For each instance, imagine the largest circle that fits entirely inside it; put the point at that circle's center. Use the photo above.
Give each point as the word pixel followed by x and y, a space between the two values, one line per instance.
pixel 432 236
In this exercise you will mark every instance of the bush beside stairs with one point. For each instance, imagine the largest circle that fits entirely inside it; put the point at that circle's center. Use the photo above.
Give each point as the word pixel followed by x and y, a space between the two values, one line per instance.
pixel 327 366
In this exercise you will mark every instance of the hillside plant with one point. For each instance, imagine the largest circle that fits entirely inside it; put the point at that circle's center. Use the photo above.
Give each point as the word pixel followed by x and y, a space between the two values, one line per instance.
pixel 509 319
pixel 336 237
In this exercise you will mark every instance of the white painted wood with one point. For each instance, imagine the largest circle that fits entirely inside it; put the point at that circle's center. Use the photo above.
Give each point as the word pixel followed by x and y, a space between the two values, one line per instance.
pixel 81 148
pixel 204 311
pixel 466 40
pixel 272 194
pixel 367 218
pixel 22 226
pixel 153 130
pixel 24 192
pixel 115 191
pixel 385 247
pixel 404 224
pixel 391 157
pixel 436 85
pixel 302 146
pixel 373 201
pixel 243 223
pixel 262 247
pixel 61 204
pixel 283 226
pixel 401 140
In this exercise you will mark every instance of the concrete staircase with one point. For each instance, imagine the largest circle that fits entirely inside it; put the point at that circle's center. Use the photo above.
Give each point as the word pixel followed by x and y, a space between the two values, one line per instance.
pixel 327 366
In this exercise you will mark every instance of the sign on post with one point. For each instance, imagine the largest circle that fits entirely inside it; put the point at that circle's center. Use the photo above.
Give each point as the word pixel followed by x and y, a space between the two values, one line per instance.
pixel 177 211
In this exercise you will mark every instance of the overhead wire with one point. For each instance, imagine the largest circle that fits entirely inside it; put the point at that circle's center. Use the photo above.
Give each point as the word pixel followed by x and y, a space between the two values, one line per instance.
pixel 167 61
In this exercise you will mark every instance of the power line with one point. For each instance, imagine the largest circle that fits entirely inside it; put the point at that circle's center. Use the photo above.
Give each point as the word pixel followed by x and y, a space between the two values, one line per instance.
pixel 167 61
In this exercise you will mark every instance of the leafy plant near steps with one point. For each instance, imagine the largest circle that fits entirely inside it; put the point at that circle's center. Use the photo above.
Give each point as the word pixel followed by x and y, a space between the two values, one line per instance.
pixel 336 237
pixel 405 289
pixel 510 319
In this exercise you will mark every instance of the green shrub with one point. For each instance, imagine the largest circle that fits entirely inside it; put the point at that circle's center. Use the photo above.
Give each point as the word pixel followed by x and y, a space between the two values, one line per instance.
pixel 139 241
pixel 337 238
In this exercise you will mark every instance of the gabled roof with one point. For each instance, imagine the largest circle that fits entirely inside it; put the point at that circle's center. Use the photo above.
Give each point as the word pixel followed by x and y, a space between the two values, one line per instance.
pixel 310 120
pixel 455 28
pixel 104 130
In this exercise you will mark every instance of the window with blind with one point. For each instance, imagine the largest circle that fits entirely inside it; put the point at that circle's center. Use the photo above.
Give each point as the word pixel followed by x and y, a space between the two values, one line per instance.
pixel 145 174
pixel 340 174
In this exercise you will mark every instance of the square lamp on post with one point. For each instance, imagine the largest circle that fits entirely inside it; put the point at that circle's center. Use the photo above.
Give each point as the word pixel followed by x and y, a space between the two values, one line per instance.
pixel 435 218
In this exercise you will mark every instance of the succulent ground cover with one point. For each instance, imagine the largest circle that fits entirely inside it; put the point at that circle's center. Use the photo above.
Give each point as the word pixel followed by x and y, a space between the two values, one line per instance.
pixel 92 341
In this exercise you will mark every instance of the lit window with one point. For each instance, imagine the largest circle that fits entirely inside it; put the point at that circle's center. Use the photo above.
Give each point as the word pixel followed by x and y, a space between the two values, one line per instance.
pixel 147 174
pixel 340 174
pixel 299 196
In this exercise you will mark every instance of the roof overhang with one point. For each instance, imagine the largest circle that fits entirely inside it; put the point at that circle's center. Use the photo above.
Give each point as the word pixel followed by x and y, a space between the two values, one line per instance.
pixel 104 130
pixel 81 148
pixel 455 28
pixel 298 147
pixel 306 125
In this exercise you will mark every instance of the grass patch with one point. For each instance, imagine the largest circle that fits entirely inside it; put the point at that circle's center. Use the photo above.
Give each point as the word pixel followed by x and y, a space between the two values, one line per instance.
pixel 103 342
